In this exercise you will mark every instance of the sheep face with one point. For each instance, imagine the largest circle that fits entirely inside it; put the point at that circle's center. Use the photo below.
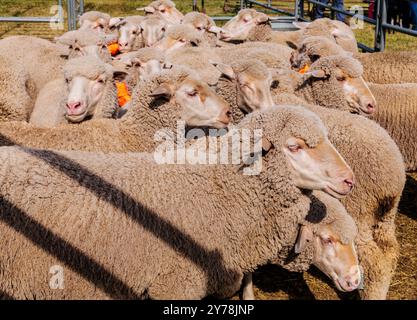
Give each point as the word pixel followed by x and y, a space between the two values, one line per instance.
pixel 344 83
pixel 171 43
pixel 312 49
pixel 99 25
pixel 200 106
pixel 200 22
pixel 253 83
pixel 239 28
pixel 319 168
pixel 85 94
pixel 128 34
pixel 137 66
pixel 98 50
pixel 166 10
pixel 153 30
pixel 338 260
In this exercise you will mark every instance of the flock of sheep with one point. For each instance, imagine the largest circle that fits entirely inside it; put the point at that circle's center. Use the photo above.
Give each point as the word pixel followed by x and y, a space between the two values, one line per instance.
pixel 80 187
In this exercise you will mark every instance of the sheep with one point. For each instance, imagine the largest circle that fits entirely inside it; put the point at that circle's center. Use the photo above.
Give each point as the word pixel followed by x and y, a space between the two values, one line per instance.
pixel 380 67
pixel 204 24
pixel 129 33
pixel 86 91
pixel 141 64
pixel 94 20
pixel 188 99
pixel 189 260
pixel 153 30
pixel 312 49
pixel 397 113
pixel 273 55
pixel 21 76
pixel 335 30
pixel 334 81
pixel 250 25
pixel 380 175
pixel 389 67
pixel 165 9
pixel 332 227
pixel 85 42
pixel 180 36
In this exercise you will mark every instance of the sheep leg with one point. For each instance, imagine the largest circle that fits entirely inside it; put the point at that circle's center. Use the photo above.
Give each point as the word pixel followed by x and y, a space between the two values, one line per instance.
pixel 247 285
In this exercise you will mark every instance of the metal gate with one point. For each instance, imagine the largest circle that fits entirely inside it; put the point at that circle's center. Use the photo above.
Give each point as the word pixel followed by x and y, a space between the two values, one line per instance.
pixel 380 22
pixel 74 8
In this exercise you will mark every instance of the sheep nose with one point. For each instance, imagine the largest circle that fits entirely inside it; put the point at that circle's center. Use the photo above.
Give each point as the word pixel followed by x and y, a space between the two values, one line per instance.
pixel 353 281
pixel 371 107
pixel 123 44
pixel 350 183
pixel 73 106
pixel 226 116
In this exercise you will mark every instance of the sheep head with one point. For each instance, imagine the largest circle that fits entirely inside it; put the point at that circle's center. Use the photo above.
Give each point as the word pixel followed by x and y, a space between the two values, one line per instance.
pixel 337 82
pixel 240 27
pixel 95 20
pixel 81 43
pixel 297 137
pixel 179 36
pixel 87 79
pixel 199 105
pixel 330 232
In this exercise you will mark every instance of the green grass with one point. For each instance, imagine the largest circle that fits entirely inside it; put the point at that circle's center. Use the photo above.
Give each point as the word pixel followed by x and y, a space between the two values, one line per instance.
pixel 395 41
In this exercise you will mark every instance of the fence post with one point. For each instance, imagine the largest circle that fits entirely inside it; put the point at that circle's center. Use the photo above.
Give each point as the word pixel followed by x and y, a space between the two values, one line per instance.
pixel 71 14
pixel 301 8
pixel 381 18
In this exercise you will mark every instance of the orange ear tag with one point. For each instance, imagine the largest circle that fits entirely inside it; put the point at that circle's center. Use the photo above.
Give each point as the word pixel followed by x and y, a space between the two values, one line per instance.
pixel 304 69
pixel 113 48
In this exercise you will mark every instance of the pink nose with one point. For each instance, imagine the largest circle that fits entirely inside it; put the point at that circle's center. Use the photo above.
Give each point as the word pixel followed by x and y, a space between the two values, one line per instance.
pixel 73 107
pixel 350 183
pixel 371 107
pixel 123 44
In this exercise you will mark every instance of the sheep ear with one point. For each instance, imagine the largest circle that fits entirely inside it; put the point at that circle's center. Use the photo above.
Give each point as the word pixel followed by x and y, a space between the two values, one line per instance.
pixel 164 90
pixel 305 235
pixel 301 25
pixel 291 44
pixel 117 23
pixel 147 9
pixel 266 145
pixel 318 74
pixel 214 29
pixel 262 18
pixel 119 75
pixel 114 21
pixel 226 70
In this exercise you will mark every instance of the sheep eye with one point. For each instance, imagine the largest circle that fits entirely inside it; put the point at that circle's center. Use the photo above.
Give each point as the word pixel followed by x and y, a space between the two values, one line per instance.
pixel 163 29
pixel 134 32
pixel 192 93
pixel 341 78
pixel 275 84
pixel 182 40
pixel 100 80
pixel 77 49
pixel 294 148
pixel 327 241
pixel 162 11
pixel 67 80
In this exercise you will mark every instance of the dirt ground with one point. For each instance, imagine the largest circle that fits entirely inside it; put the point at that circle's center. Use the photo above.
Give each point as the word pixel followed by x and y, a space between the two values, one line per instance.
pixel 275 283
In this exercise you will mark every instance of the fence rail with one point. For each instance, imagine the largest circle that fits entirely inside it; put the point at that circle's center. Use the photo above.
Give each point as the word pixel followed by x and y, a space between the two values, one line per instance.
pixel 74 9
pixel 381 24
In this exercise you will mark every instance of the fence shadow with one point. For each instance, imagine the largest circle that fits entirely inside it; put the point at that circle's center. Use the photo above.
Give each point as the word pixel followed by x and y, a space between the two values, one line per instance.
pixel 210 262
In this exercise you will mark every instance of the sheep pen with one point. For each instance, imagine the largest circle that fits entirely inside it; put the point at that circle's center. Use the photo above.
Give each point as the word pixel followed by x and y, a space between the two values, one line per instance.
pixel 271 282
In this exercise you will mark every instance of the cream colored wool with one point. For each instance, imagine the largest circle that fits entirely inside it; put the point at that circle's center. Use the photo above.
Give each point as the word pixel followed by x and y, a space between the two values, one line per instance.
pixel 157 253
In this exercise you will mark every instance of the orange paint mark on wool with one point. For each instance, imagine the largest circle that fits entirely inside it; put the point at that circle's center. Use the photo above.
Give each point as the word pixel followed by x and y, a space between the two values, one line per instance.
pixel 123 94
